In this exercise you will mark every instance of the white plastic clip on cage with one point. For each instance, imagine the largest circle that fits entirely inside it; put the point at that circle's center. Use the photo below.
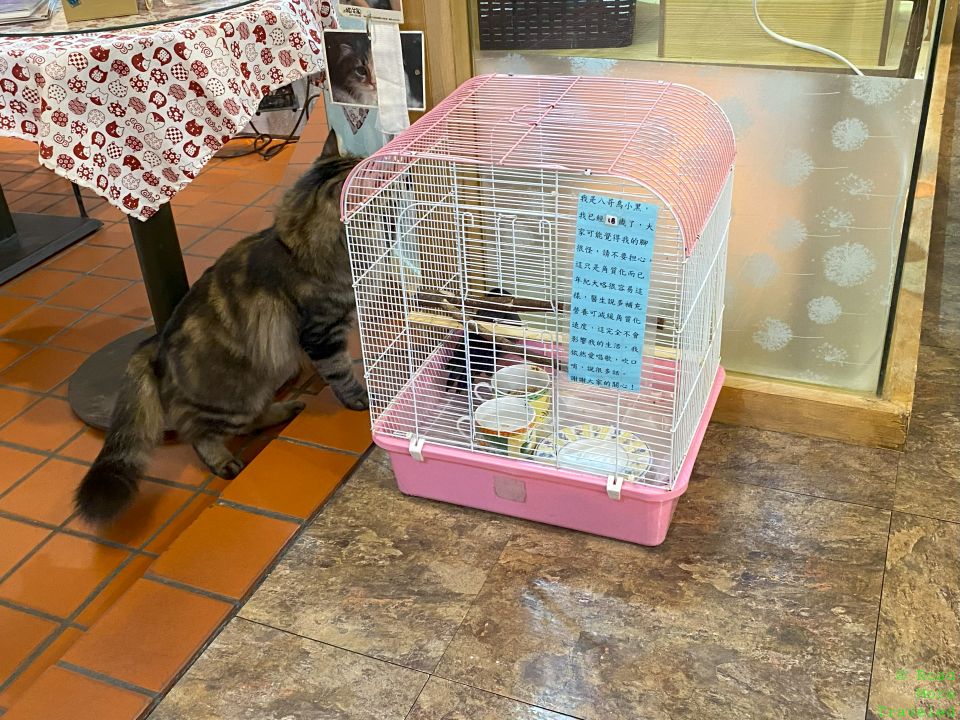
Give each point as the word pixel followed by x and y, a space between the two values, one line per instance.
pixel 539 266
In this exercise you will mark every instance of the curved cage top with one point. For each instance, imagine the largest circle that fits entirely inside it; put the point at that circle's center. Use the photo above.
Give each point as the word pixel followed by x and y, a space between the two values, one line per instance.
pixel 669 138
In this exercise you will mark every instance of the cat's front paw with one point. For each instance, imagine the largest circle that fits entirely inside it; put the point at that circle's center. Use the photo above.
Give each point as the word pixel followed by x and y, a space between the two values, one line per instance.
pixel 353 398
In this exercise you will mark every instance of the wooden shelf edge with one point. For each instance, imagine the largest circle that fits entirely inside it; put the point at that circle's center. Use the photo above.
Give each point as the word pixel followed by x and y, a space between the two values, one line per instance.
pixel 784 406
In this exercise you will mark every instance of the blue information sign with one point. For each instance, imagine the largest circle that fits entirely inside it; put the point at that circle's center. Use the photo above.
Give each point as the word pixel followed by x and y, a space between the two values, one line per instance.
pixel 611 283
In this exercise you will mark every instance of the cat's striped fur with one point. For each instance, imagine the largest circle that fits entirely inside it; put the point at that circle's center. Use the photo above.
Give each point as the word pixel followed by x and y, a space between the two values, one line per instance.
pixel 234 339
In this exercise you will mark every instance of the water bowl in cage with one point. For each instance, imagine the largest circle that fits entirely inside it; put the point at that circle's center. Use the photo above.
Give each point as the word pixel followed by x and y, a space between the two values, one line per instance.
pixel 597 449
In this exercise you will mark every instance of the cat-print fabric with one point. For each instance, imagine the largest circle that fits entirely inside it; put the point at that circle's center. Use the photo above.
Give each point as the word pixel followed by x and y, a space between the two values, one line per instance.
pixel 135 114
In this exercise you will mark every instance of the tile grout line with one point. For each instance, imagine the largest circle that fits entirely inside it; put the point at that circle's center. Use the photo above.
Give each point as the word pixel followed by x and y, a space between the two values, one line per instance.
pixel 197 493
pixel 385 661
pixel 46 344
pixel 466 613
pixel 186 587
pixel 413 705
pixel 106 679
pixel 262 512
pixel 876 632
pixel 59 527
pixel 508 697
pixel 26 609
pixel 793 492
pixel 50 527
pixel 317 446
pixel 32 657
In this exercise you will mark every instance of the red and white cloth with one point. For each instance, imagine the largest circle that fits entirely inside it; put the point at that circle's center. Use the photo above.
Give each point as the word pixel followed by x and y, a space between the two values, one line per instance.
pixel 135 114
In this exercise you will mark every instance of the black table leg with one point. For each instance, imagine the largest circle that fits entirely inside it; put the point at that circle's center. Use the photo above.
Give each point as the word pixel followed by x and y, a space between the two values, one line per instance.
pixel 93 387
pixel 27 239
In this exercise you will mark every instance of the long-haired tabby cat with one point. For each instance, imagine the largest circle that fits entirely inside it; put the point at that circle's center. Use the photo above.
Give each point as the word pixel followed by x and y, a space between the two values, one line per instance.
pixel 352 80
pixel 234 339
pixel 352 77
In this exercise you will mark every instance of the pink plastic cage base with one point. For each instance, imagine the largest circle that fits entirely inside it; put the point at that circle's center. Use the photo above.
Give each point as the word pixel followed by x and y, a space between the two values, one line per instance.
pixel 529 490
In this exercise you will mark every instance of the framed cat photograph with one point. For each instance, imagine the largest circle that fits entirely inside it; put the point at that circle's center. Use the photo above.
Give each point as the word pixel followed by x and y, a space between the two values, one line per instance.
pixel 379 9
pixel 353 78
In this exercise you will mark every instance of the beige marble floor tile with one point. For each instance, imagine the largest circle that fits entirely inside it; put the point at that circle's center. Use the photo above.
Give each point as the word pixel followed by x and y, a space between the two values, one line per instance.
pixel 252 672
pixel 760 604
pixel 919 631
pixel 813 466
pixel 928 482
pixel 941 366
pixel 445 700
pixel 382 574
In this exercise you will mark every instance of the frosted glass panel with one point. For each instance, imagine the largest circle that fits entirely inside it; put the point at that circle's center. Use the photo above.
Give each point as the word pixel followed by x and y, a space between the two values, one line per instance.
pixel 823 170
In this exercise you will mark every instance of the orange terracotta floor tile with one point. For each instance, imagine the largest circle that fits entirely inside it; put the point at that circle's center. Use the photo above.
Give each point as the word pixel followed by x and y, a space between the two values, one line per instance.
pixel 270 199
pixel 89 292
pixel 210 214
pixel 85 447
pixel 169 625
pixel 44 426
pixel 108 213
pixel 39 324
pixel 289 478
pixel 10 307
pixel 180 521
pixel 177 462
pixel 43 369
pixel 47 494
pixel 251 220
pixel 16 464
pixel 132 302
pixel 54 651
pixel 244 193
pixel 115 235
pixel 216 243
pixel 13 402
pixel 224 550
pixel 60 694
pixel 94 332
pixel 35 180
pixel 40 283
pixel 190 234
pixel 21 633
pixel 154 506
pixel 127 576
pixel 19 538
pixel 125 265
pixel 61 574
pixel 326 422
pixel 11 351
pixel 196 265
pixel 82 258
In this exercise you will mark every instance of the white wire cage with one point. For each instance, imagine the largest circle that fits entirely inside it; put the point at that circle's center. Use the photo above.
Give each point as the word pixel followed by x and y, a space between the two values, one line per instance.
pixel 462 234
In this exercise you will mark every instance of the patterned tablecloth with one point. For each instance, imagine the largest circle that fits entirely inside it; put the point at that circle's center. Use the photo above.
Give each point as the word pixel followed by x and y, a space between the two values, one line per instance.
pixel 135 114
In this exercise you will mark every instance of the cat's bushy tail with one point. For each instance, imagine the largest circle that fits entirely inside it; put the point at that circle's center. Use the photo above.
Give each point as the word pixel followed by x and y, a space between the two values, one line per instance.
pixel 135 429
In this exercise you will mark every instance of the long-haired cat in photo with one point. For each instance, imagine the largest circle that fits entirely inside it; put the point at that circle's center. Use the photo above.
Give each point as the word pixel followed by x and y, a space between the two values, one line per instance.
pixel 351 69
pixel 236 337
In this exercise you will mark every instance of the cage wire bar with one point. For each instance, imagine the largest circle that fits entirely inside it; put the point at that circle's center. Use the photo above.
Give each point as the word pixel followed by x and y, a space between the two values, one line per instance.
pixel 461 233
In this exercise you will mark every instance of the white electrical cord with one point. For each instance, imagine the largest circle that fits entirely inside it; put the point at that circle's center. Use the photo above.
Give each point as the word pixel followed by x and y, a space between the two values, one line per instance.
pixel 803 45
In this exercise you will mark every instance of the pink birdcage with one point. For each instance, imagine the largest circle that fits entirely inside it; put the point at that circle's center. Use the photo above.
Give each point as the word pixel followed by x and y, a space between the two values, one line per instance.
pixel 539 267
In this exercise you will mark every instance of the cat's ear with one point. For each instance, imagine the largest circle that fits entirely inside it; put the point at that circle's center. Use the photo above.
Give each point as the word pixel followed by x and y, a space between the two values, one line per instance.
pixel 331 148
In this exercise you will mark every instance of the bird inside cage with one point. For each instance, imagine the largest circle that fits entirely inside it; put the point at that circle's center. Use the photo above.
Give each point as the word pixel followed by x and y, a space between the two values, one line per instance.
pixel 480 350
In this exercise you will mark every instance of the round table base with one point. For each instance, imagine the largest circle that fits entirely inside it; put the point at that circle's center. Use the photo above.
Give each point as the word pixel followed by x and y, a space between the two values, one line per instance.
pixel 94 386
